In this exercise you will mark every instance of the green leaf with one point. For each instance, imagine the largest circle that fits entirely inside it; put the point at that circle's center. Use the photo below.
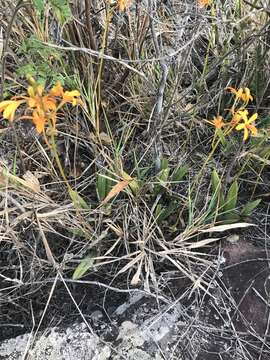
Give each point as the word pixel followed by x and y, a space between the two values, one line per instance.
pixel 216 182
pixel 221 137
pixel 61 10
pixel 249 207
pixel 163 175
pixel 39 5
pixel 135 186
pixel 163 212
pixel 217 196
pixel 101 187
pixel 77 200
pixel 86 264
pixel 158 210
pixel 164 164
pixel 230 218
pixel 179 173
pixel 231 199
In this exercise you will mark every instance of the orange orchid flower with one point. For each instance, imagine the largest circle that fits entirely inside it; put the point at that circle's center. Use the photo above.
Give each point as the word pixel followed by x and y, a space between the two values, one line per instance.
pixel 42 106
pixel 204 3
pixel 248 125
pixel 242 94
pixel 218 122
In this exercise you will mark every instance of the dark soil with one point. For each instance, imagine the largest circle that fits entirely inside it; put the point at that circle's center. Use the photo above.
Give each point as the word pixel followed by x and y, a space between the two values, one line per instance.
pixel 233 323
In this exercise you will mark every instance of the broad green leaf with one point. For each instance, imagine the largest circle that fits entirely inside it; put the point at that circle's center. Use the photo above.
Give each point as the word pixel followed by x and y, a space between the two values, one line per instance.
pixel 163 175
pixel 61 10
pixel 215 181
pixel 86 264
pixel 101 187
pixel 158 210
pixel 164 164
pixel 165 211
pixel 230 217
pixel 249 207
pixel 217 197
pixel 39 5
pixel 135 185
pixel 179 173
pixel 231 199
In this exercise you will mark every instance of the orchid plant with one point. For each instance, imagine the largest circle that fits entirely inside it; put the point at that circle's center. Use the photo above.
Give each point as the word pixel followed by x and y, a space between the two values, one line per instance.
pixel 240 119
pixel 42 108
pixel 39 106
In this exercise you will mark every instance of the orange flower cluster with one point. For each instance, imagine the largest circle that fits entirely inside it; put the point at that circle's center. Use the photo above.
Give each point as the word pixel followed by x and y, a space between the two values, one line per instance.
pixel 204 3
pixel 240 119
pixel 122 5
pixel 41 107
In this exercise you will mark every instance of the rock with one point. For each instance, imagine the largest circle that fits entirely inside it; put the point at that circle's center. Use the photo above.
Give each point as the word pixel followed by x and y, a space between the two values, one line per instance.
pixel 134 340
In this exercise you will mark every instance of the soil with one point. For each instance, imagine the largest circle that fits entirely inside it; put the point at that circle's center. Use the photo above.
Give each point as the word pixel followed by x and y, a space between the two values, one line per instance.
pixel 232 322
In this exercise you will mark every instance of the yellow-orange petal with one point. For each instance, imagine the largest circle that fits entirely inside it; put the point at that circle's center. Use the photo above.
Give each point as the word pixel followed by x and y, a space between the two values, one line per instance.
pixel 218 122
pixel 203 3
pixel 252 129
pixel 245 133
pixel 39 121
pixel 31 91
pixel 9 108
pixel 122 4
pixel 71 97
pixel 252 118
pixel 49 103
pixel 32 102
pixel 39 90
pixel 4 104
pixel 57 90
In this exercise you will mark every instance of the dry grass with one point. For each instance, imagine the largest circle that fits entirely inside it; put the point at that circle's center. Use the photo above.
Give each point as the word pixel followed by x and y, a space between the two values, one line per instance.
pixel 149 77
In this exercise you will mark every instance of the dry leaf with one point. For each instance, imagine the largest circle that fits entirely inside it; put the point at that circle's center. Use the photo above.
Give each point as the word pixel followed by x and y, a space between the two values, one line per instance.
pixel 202 243
pixel 137 276
pixel 120 186
pixel 221 228
pixel 31 181
pixel 131 263
pixel 1 43
pixel 105 138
